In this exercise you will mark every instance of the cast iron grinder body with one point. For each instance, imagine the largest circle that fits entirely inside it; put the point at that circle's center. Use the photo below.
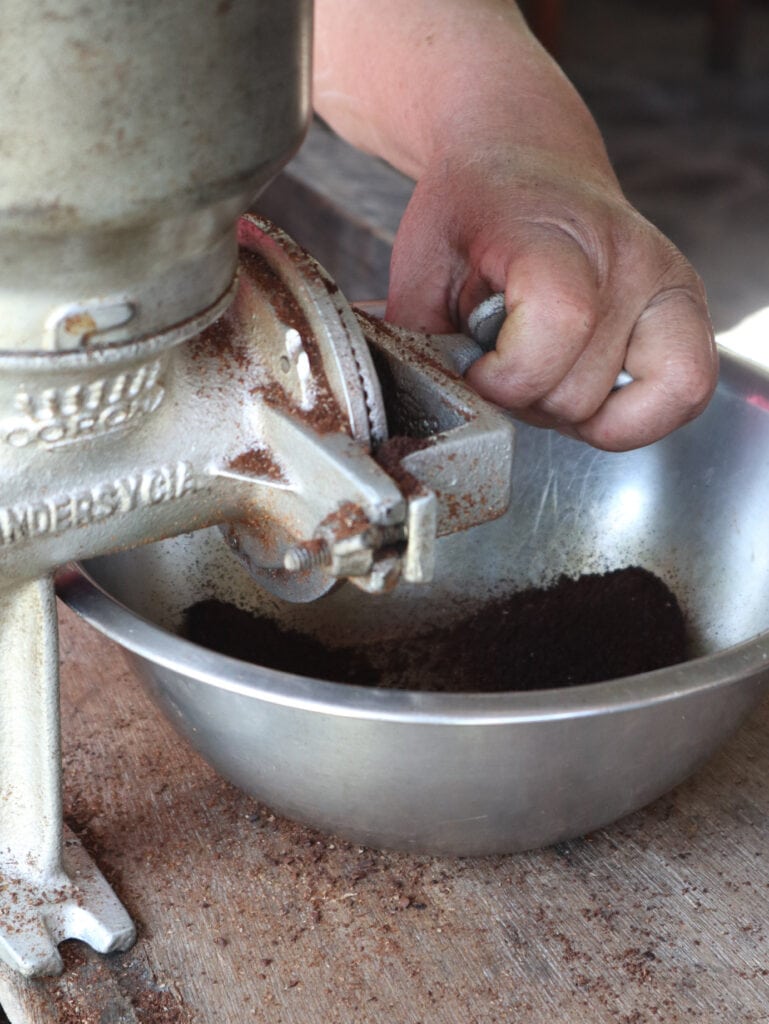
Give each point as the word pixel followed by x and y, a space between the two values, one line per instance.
pixel 158 375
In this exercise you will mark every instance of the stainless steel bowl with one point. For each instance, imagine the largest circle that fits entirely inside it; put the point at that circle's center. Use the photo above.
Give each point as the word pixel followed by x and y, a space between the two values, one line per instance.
pixel 476 774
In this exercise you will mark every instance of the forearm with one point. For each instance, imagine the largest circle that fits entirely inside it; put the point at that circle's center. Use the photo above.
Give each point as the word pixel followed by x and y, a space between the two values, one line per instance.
pixel 414 81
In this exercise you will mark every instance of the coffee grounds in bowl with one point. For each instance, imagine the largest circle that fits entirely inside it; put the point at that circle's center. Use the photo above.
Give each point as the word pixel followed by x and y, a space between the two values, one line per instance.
pixel 585 630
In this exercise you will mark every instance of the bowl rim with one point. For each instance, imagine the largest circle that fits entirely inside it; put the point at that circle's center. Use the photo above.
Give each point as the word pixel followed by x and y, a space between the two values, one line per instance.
pixel 149 642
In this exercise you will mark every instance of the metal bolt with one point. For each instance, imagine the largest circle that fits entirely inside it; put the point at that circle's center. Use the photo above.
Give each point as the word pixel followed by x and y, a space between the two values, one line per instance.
pixel 310 554
pixel 395 533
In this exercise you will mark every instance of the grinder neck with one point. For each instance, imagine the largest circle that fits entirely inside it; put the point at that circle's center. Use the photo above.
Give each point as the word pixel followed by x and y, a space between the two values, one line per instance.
pixel 134 136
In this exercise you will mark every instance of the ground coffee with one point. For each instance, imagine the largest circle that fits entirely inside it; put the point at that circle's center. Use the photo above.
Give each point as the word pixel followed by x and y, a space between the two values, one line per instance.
pixel 584 630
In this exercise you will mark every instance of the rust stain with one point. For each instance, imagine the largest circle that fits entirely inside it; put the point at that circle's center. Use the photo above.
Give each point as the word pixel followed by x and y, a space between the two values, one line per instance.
pixel 390 455
pixel 258 462
pixel 348 521
pixel 222 339
pixel 286 307
pixel 80 323
pixel 376 326
pixel 325 416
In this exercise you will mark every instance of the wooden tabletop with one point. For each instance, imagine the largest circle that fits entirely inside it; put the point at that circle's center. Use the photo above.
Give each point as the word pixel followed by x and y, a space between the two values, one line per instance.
pixel 245 916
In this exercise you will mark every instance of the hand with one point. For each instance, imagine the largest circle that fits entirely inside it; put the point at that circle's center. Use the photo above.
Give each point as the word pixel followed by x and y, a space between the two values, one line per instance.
pixel 515 194
pixel 590 287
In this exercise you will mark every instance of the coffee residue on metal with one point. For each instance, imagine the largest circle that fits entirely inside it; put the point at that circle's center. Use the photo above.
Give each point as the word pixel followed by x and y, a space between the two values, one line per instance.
pixel 576 631
pixel 257 462
pixel 390 455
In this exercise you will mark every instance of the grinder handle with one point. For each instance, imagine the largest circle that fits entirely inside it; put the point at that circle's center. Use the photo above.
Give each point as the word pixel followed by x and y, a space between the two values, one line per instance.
pixel 485 323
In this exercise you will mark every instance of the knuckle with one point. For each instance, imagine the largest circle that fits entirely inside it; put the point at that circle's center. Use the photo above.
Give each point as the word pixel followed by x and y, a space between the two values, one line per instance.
pixel 575 317
pixel 573 408
pixel 691 388
pixel 525 387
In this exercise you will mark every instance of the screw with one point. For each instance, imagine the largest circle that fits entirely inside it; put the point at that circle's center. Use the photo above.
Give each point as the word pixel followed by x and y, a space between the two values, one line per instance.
pixel 310 554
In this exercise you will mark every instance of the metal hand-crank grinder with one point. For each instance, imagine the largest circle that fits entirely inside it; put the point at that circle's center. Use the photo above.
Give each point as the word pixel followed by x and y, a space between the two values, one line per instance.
pixel 155 378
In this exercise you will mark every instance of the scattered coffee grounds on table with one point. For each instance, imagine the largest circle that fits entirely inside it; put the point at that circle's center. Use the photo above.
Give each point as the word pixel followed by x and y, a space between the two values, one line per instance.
pixel 584 630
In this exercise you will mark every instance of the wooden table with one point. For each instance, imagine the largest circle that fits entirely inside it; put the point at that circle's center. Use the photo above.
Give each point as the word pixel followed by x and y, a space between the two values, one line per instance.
pixel 245 916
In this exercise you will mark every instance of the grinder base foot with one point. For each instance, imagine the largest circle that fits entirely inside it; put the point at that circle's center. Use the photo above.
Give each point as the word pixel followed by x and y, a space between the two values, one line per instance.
pixel 37 913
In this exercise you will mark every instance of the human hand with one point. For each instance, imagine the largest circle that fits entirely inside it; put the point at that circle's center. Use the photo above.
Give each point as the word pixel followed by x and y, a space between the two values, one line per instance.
pixel 515 194
pixel 590 287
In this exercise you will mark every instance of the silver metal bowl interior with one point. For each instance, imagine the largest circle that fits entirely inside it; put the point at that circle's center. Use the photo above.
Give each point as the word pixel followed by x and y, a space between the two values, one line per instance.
pixel 482 773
